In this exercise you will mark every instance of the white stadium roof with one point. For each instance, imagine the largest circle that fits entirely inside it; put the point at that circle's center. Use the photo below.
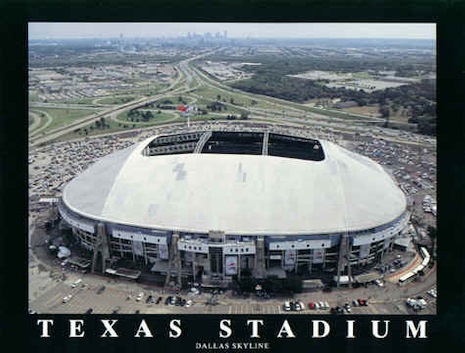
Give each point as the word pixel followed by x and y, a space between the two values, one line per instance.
pixel 237 194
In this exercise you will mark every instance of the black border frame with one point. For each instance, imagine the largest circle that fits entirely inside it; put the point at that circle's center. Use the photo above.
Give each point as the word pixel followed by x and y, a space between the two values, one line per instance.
pixel 444 330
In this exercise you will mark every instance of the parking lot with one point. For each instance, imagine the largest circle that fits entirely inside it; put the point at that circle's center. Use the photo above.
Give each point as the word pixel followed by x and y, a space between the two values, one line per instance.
pixel 106 295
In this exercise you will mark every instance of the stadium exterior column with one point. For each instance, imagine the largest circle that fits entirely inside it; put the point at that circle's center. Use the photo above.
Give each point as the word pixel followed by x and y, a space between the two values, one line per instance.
pixel 145 252
pixel 239 263
pixel 102 244
pixel 194 256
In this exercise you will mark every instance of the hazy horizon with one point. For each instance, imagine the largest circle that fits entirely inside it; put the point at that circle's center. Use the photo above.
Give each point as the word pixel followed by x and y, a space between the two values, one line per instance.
pixel 87 30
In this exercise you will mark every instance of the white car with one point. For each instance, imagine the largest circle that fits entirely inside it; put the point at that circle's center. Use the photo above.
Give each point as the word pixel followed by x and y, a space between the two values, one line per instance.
pixel 67 298
pixel 379 283
pixel 76 283
pixel 299 306
pixel 287 306
pixel 189 303
pixel 139 296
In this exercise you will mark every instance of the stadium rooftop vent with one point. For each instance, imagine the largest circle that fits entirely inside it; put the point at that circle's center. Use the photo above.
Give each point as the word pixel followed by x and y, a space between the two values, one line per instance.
pixel 295 147
pixel 229 142
pixel 234 143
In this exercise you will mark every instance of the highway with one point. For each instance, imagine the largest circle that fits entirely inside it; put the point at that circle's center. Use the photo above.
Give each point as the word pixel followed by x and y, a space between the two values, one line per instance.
pixel 190 79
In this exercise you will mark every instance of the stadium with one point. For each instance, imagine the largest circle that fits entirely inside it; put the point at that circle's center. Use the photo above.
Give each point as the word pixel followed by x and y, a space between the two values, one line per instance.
pixel 209 206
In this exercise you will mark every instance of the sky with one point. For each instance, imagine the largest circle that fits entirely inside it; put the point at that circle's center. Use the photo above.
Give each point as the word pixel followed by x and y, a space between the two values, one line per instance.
pixel 62 30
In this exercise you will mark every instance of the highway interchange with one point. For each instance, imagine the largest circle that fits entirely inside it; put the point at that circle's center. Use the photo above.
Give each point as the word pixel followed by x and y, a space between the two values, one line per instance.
pixel 190 79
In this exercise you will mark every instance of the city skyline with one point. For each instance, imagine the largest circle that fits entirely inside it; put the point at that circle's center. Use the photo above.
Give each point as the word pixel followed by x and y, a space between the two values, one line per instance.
pixel 53 30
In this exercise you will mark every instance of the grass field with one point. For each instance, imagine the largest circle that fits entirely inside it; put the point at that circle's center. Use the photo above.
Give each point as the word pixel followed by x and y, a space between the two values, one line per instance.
pixel 116 100
pixel 175 100
pixel 373 111
pixel 62 117
pixel 161 118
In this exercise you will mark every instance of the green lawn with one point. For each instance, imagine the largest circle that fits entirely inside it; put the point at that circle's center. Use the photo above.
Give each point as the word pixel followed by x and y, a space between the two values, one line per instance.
pixel 63 117
pixel 175 100
pixel 117 100
pixel 163 117
pixel 116 126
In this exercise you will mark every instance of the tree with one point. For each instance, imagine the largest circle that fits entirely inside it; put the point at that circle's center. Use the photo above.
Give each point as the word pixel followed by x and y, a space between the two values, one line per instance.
pixel 384 111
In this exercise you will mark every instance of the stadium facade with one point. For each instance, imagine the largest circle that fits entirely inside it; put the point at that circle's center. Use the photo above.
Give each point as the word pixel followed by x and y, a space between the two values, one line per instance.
pixel 210 205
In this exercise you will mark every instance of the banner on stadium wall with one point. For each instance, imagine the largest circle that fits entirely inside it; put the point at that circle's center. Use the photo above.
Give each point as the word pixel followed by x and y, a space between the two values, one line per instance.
pixel 364 251
pixel 230 265
pixel 318 256
pixel 163 251
pixel 137 248
pixel 290 257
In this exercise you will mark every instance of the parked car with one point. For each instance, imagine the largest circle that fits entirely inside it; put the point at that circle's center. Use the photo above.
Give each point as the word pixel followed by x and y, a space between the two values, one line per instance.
pixel 362 302
pixel 76 283
pixel 299 306
pixel 287 306
pixel 140 296
pixel 311 305
pixel 67 298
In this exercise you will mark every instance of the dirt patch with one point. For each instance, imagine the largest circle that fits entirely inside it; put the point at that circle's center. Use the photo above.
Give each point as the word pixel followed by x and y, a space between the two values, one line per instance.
pixel 371 111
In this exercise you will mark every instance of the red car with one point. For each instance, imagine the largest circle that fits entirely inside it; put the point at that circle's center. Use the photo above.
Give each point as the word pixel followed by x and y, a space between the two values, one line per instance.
pixel 362 302
pixel 311 305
